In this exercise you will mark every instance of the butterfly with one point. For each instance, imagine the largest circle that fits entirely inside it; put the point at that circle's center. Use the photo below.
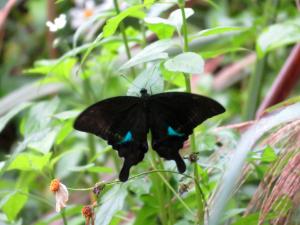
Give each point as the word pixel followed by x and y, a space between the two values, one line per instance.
pixel 124 121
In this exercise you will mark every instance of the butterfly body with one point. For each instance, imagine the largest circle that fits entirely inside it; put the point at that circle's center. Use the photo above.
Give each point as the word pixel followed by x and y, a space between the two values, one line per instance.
pixel 125 121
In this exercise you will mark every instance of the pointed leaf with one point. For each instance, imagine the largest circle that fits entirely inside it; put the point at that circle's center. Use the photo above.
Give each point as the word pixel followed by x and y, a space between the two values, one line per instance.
pixel 188 62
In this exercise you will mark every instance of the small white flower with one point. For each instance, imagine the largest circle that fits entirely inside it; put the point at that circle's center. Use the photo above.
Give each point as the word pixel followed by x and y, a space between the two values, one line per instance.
pixel 85 9
pixel 61 194
pixel 58 23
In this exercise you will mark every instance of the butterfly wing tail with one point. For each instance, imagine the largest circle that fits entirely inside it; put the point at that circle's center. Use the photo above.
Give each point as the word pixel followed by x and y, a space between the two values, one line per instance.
pixel 169 149
pixel 133 153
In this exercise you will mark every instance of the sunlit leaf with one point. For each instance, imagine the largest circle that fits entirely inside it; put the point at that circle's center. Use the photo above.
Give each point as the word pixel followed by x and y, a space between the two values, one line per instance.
pixel 163 31
pixel 100 169
pixel 112 201
pixel 29 161
pixel 65 130
pixel 174 20
pixel 176 78
pixel 268 155
pixel 88 24
pixel 6 118
pixel 187 62
pixel 278 35
pixel 113 23
pixel 218 30
pixel 222 51
pixel 13 204
pixel 154 51
pixel 70 114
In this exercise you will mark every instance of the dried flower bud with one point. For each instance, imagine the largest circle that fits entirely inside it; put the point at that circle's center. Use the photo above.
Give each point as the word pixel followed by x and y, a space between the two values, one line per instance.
pixel 87 211
pixel 193 157
pixel 183 188
pixel 54 185
pixel 98 189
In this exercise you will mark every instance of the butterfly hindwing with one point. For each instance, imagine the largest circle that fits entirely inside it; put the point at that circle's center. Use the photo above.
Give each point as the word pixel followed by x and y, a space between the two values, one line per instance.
pixel 122 122
pixel 173 116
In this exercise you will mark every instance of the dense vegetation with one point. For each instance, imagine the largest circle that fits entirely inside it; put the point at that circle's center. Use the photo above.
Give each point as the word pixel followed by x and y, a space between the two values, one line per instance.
pixel 58 57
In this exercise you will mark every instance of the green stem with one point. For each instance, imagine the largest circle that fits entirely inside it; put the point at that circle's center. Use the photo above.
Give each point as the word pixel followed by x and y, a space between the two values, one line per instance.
pixel 256 80
pixel 158 189
pixel 200 213
pixel 124 36
pixel 254 89
pixel 63 215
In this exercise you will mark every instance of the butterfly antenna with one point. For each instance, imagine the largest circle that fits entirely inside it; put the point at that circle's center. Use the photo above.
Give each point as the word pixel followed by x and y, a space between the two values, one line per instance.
pixel 149 79
pixel 130 82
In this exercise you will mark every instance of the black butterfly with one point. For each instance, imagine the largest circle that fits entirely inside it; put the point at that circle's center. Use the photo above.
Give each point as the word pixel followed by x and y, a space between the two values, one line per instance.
pixel 124 122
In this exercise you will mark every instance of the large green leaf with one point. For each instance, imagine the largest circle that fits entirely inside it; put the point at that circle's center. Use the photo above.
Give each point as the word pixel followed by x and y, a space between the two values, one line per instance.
pixel 113 23
pixel 218 30
pixel 174 20
pixel 278 35
pixel 29 161
pixel 81 30
pixel 39 121
pixel 112 202
pixel 152 52
pixel 13 203
pixel 7 117
pixel 187 62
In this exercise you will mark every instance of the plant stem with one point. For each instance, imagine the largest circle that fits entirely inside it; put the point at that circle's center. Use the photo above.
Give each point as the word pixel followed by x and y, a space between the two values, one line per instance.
pixel 200 214
pixel 159 191
pixel 63 215
pixel 256 79
pixel 124 36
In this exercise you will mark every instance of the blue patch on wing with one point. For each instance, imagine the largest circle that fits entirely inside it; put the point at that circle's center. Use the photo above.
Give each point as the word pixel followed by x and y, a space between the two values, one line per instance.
pixel 172 132
pixel 126 138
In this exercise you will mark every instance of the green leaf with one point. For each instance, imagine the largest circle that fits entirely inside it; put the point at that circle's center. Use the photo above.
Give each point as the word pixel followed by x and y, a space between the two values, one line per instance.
pixel 113 23
pixel 39 121
pixel 82 168
pixel 7 117
pixel 187 62
pixel 55 68
pixel 45 143
pixel 100 169
pixel 150 79
pixel 268 155
pixel 13 204
pixel 65 130
pixel 278 35
pixel 176 78
pixel 163 31
pixel 112 201
pixel 148 3
pixel 174 20
pixel 66 115
pixel 29 161
pixel 148 213
pixel 155 51
pixel 81 30
pixel 217 30
pixel 222 51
